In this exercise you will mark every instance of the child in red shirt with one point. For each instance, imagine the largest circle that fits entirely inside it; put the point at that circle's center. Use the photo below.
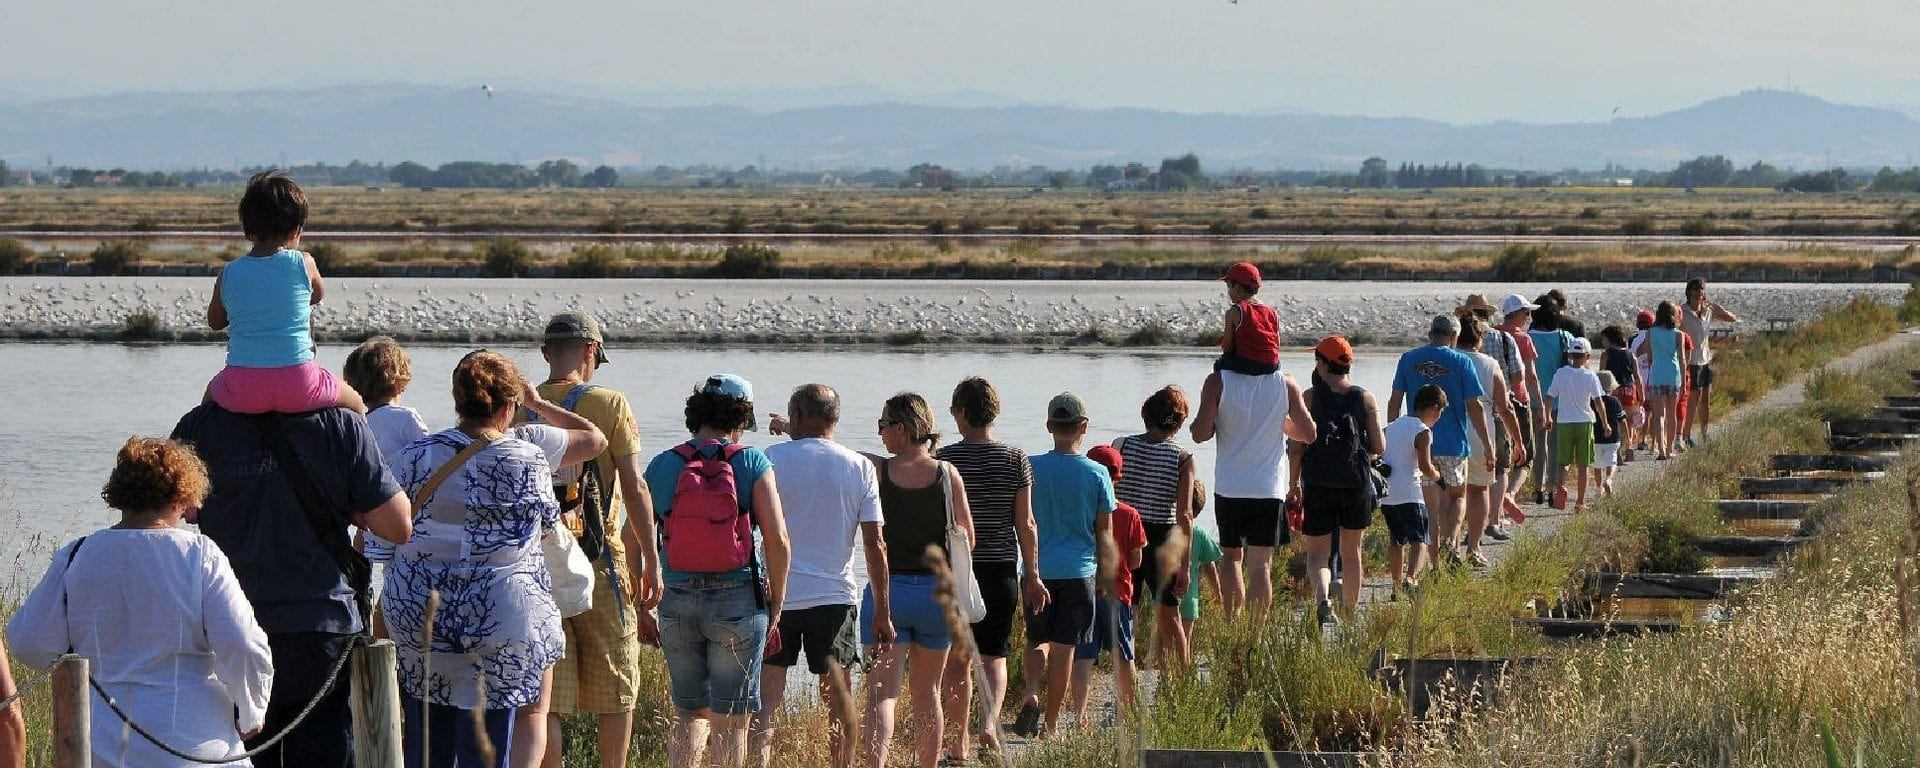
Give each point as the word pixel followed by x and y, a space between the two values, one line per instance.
pixel 1252 342
pixel 1113 619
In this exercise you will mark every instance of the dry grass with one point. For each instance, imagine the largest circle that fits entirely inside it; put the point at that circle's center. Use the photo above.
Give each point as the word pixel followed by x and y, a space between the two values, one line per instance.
pixel 829 211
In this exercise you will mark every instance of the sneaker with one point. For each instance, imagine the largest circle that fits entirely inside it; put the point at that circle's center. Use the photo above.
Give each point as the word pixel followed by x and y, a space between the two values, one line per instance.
pixel 1325 613
pixel 1478 560
pixel 1027 724
pixel 1514 512
pixel 1691 443
pixel 1559 498
pixel 1539 495
pixel 1496 534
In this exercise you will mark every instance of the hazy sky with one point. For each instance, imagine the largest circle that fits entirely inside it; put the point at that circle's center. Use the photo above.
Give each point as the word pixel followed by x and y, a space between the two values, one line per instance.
pixel 1460 60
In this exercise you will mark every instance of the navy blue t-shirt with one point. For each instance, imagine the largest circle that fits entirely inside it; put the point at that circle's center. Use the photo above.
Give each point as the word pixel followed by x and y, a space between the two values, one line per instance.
pixel 253 514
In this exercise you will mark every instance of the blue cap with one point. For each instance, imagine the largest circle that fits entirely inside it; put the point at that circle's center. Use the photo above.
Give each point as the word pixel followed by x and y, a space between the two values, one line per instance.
pixel 729 385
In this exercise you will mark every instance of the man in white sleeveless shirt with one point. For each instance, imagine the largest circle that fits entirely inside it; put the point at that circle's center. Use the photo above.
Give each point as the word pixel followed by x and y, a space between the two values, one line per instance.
pixel 1253 416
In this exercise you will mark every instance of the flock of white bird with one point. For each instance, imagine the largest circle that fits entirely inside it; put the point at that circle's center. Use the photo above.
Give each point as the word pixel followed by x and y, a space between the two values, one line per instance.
pixel 966 311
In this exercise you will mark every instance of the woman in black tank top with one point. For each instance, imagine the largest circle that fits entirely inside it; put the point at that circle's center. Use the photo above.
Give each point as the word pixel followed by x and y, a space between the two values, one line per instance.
pixel 914 492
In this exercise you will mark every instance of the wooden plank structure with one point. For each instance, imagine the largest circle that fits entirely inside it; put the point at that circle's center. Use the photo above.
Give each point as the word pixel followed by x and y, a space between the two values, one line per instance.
pixel 1670 586
pixel 1745 546
pixel 1216 758
pixel 1763 509
pixel 1873 426
pixel 1870 443
pixel 1826 462
pixel 1797 485
pixel 1591 628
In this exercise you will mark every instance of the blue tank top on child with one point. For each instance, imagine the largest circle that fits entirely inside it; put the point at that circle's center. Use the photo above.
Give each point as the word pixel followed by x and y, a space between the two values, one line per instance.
pixel 269 304
pixel 1665 351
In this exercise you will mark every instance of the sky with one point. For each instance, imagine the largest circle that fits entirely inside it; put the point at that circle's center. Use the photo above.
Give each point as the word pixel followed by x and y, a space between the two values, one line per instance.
pixel 1455 60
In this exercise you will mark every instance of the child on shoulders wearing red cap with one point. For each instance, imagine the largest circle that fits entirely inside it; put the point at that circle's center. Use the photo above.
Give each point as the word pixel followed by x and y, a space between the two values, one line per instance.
pixel 1251 345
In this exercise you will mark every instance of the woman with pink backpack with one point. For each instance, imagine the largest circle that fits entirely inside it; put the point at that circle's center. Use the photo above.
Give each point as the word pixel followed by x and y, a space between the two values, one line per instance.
pixel 722 592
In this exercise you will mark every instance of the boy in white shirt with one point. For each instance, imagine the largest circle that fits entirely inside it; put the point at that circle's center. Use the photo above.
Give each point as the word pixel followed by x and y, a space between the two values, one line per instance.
pixel 1409 456
pixel 1575 394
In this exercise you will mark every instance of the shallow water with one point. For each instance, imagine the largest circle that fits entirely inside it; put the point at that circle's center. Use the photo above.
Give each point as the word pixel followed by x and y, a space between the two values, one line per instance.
pixel 79 402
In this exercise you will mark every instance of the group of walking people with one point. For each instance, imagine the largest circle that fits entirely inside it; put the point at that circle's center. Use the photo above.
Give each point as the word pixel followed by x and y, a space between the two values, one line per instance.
pixel 529 553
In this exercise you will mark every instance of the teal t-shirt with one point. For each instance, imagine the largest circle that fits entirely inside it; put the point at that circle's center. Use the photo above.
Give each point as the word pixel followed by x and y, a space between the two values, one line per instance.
pixel 269 310
pixel 1206 549
pixel 663 476
pixel 1070 493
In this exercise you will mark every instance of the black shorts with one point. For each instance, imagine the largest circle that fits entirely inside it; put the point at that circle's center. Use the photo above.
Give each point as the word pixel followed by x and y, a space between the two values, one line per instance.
pixel 1068 617
pixel 1147 576
pixel 1406 523
pixel 1702 376
pixel 1249 522
pixel 1524 414
pixel 825 631
pixel 1000 589
pixel 1348 508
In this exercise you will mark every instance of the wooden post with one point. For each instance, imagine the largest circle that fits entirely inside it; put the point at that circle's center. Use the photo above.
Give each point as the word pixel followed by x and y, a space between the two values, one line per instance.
pixel 376 706
pixel 72 721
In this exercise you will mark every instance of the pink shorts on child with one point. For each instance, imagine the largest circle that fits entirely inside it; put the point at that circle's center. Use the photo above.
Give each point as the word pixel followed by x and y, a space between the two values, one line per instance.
pixel 308 386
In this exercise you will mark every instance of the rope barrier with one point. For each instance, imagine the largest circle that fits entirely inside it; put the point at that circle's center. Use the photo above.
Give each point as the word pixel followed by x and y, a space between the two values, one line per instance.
pixel 333 678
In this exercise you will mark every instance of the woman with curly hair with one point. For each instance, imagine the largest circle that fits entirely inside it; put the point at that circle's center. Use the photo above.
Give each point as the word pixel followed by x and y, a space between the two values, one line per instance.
pixel 157 610
pixel 721 594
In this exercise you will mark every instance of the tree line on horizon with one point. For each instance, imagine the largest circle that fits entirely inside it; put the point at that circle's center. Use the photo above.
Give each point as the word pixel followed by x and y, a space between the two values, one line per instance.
pixel 1173 174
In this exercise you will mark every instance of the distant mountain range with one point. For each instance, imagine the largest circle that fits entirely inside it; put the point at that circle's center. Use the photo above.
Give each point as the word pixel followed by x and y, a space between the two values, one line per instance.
pixel 438 124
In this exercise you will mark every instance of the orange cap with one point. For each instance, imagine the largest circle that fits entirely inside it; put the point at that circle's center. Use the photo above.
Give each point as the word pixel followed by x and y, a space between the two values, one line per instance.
pixel 1244 273
pixel 1336 349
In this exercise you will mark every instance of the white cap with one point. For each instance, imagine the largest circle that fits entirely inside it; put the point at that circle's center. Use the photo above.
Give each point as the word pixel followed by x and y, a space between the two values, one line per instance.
pixel 1579 347
pixel 1514 303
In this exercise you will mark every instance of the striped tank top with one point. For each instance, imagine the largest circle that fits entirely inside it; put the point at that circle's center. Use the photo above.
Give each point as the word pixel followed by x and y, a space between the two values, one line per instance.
pixel 993 474
pixel 1149 477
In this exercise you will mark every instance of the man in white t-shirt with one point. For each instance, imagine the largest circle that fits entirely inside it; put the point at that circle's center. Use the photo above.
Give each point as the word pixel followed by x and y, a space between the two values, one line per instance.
pixel 1253 416
pixel 830 495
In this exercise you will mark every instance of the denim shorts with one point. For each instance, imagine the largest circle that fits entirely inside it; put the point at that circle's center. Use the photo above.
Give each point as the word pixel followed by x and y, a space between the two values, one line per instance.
pixel 1104 629
pixel 713 632
pixel 917 618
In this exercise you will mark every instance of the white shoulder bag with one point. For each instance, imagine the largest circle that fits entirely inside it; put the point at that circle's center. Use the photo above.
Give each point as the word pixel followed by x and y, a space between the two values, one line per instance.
pixel 570 570
pixel 973 607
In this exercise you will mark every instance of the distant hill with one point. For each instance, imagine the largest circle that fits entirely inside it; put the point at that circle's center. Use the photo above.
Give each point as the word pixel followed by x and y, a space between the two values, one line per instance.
pixel 435 124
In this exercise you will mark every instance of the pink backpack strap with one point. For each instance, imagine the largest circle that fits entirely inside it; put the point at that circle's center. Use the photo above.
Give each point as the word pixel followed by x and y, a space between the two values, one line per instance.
pixel 685 451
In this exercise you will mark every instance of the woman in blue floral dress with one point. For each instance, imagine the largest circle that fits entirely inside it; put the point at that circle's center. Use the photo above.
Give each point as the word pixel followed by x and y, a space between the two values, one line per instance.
pixel 476 542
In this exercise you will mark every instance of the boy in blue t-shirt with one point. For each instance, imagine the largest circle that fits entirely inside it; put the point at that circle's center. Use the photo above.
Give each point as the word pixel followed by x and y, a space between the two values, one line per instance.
pixel 1465 418
pixel 1072 506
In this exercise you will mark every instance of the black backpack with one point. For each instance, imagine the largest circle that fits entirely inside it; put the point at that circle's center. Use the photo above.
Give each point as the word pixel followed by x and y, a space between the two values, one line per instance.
pixel 1337 457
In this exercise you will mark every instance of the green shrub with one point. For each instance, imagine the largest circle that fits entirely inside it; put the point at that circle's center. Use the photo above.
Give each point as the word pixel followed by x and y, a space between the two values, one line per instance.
pixel 1590 212
pixel 1701 227
pixel 507 257
pixel 595 261
pixel 15 257
pixel 748 260
pixel 142 326
pixel 1520 262
pixel 1637 226
pixel 1153 334
pixel 1223 227
pixel 117 257
pixel 327 257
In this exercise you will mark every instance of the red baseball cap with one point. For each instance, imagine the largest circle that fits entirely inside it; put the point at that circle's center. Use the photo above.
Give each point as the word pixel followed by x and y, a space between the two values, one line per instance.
pixel 1336 349
pixel 1644 320
pixel 1244 273
pixel 1106 456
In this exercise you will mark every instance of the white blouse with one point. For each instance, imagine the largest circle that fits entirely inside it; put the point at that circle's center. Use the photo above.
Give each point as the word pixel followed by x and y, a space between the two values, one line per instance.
pixel 170 637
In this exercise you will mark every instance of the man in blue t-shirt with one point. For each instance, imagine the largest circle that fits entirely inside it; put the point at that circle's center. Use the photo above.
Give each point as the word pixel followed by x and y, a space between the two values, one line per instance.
pixel 1439 363
pixel 299 594
pixel 1073 507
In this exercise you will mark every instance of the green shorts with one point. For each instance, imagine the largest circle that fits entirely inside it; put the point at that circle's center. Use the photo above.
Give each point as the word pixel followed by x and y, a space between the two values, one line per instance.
pixel 1573 442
